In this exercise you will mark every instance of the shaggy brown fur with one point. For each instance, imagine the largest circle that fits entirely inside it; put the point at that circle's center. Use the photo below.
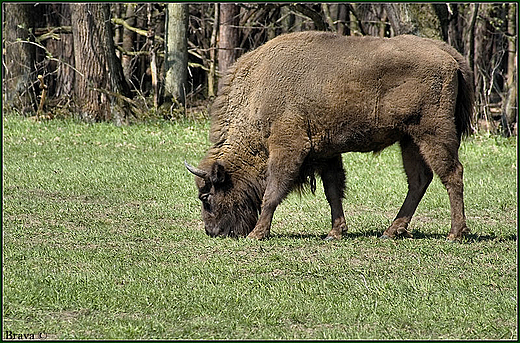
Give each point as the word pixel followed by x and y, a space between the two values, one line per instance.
pixel 290 108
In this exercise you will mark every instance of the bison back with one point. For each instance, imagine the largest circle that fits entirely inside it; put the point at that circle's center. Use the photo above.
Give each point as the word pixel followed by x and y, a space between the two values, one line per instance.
pixel 338 87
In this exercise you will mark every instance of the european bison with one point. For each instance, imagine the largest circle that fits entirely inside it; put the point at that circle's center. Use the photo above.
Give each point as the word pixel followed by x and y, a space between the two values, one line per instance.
pixel 290 108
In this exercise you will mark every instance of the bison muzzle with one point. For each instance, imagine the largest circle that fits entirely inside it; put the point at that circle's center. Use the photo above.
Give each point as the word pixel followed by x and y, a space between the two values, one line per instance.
pixel 289 109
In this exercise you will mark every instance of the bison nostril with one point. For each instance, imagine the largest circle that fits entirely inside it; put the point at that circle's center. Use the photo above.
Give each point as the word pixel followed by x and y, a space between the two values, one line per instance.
pixel 215 231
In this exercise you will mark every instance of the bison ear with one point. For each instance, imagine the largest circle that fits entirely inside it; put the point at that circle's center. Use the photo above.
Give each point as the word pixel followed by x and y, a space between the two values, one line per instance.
pixel 218 173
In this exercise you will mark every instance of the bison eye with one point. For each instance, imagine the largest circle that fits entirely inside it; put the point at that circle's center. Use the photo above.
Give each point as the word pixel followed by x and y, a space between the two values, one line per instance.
pixel 204 197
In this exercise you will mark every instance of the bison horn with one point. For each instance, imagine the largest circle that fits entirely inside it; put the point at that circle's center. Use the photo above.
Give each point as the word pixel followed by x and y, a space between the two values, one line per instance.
pixel 198 172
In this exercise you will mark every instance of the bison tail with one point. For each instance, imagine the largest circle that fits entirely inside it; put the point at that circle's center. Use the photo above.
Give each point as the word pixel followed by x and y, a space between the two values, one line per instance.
pixel 466 94
pixel 465 100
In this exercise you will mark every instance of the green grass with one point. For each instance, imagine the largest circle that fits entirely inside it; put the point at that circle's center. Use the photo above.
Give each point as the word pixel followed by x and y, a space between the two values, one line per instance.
pixel 102 239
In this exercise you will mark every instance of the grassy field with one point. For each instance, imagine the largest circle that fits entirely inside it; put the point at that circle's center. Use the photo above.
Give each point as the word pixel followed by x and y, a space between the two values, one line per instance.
pixel 102 239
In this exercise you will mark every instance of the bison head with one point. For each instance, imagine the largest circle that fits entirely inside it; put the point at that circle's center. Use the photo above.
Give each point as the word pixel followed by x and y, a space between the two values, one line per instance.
pixel 229 208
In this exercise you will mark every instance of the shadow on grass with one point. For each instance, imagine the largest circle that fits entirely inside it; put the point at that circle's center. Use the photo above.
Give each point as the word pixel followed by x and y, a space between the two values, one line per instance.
pixel 347 235
pixel 467 239
pixel 471 238
pixel 480 238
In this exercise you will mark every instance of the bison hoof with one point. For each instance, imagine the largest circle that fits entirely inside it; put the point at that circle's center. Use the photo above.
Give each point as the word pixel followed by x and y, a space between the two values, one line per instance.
pixel 331 238
pixel 256 236
pixel 453 239
pixel 402 232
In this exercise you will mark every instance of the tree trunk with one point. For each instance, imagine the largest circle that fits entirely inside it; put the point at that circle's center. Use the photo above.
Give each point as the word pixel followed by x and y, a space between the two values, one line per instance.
pixel 343 19
pixel 328 17
pixel 150 43
pixel 313 14
pixel 471 47
pixel 100 88
pixel 272 29
pixel 370 16
pixel 510 106
pixel 450 24
pixel 441 10
pixel 61 84
pixel 212 89
pixel 116 11
pixel 455 28
pixel 128 42
pixel 356 14
pixel 176 56
pixel 288 19
pixel 19 73
pixel 401 19
pixel 510 103
pixel 228 37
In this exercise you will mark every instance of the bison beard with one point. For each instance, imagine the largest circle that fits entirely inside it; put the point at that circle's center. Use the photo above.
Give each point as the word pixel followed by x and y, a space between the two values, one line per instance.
pixel 290 108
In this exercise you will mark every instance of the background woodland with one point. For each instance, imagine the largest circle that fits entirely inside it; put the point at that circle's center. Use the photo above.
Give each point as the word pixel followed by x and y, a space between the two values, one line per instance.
pixel 128 62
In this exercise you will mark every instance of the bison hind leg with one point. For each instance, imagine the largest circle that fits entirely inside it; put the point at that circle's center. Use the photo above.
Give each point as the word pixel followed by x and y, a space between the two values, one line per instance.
pixel 419 176
pixel 441 154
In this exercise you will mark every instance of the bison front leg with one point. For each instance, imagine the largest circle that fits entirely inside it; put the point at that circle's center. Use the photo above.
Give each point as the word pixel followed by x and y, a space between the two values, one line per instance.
pixel 333 177
pixel 280 181
pixel 286 156
pixel 272 198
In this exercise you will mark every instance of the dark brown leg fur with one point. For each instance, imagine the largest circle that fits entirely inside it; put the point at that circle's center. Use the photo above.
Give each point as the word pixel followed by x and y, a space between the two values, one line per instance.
pixel 285 160
pixel 439 154
pixel 444 161
pixel 333 177
pixel 419 177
